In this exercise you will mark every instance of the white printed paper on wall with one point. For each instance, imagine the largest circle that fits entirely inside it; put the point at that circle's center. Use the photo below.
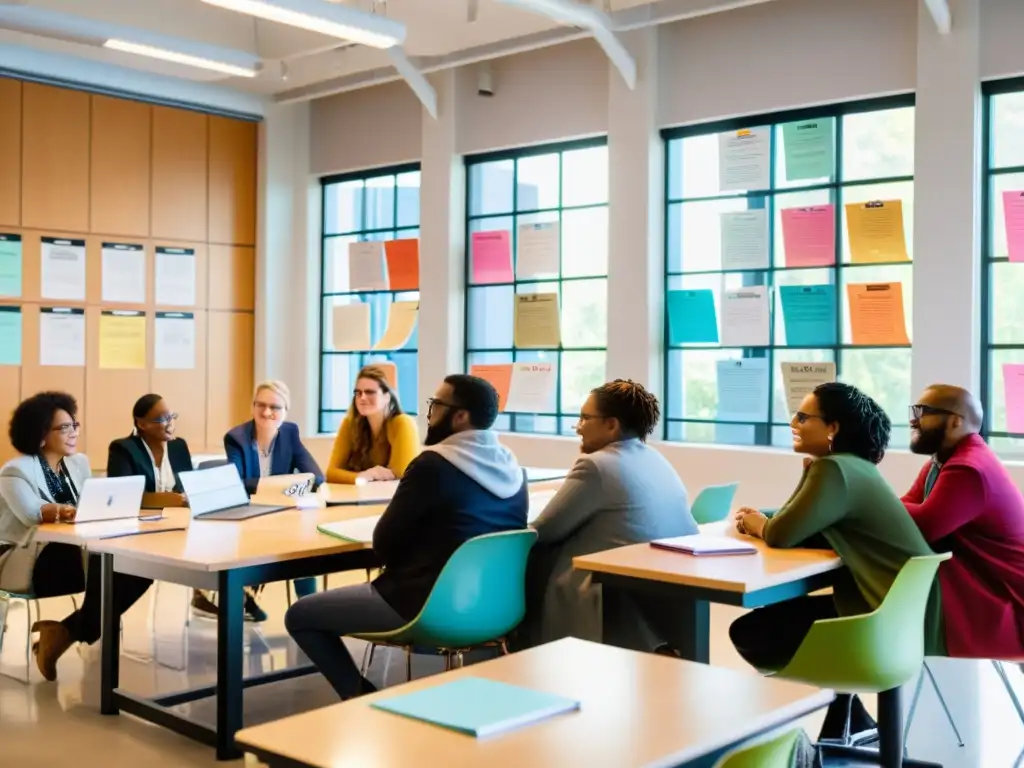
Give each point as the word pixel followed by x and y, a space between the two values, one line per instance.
pixel 744 160
pixel 61 336
pixel 62 271
pixel 174 347
pixel 745 317
pixel 124 273
pixel 175 277
pixel 744 239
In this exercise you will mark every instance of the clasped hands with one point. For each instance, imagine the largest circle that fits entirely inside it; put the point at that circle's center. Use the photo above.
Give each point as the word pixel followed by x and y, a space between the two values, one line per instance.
pixel 751 521
pixel 375 474
pixel 59 513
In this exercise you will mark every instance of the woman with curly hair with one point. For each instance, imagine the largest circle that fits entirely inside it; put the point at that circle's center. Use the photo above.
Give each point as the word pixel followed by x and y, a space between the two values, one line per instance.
pixel 42 486
pixel 843 500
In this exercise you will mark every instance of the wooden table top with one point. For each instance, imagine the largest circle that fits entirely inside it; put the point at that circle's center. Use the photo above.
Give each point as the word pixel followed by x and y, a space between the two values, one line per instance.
pixel 637 709
pixel 728 573
pixel 381 492
pixel 218 545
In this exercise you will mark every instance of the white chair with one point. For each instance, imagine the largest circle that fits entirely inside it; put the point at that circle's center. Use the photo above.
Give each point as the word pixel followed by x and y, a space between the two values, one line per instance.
pixel 5 607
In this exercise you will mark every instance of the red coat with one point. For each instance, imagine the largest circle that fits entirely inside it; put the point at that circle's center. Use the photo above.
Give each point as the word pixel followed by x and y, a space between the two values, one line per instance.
pixel 977 512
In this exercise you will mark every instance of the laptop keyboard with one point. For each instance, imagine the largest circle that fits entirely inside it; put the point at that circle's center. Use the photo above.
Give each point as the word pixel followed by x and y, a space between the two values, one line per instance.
pixel 243 512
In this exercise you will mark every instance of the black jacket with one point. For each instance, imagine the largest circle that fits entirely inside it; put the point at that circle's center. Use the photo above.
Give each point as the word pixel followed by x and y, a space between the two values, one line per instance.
pixel 127 456
pixel 434 510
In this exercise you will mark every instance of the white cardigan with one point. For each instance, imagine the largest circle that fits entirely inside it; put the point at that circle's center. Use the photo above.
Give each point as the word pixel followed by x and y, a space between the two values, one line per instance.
pixel 23 492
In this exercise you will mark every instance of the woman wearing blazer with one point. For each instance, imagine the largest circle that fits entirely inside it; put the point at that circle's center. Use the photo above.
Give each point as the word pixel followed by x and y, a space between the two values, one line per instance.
pixel 154 452
pixel 42 486
pixel 268 445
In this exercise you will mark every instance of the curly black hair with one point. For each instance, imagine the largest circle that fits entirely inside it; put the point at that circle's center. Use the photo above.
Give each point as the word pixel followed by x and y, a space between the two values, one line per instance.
pixel 863 426
pixel 33 418
pixel 635 408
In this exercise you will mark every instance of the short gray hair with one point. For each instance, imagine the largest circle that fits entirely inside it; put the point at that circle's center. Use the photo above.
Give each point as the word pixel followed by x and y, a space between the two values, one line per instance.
pixel 279 388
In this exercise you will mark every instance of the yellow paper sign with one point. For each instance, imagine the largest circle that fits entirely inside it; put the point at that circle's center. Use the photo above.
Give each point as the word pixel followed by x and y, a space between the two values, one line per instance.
pixel 402 316
pixel 537 323
pixel 876 314
pixel 122 339
pixel 875 231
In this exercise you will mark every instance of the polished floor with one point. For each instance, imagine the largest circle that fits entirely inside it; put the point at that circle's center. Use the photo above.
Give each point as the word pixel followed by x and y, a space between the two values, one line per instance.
pixel 58 724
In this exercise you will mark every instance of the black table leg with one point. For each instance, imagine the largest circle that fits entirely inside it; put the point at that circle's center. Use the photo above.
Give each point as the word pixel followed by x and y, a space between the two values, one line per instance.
pixel 230 599
pixel 110 642
pixel 692 637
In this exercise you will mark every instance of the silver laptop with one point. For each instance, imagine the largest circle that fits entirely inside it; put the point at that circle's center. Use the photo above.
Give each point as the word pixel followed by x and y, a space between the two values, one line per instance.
pixel 110 498
pixel 218 494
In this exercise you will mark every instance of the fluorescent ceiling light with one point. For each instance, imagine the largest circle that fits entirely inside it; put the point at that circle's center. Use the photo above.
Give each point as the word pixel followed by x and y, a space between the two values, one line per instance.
pixel 325 18
pixel 179 58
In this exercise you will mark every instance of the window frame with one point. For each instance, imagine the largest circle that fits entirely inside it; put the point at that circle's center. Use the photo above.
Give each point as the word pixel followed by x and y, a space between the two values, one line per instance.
pixel 361 233
pixel 762 435
pixel 515 155
pixel 990 89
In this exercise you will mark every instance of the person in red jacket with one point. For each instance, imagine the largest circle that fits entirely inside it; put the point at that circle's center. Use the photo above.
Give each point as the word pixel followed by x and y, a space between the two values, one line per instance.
pixel 965 502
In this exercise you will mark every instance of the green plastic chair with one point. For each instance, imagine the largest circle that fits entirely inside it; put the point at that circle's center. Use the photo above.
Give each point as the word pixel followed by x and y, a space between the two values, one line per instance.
pixel 877 652
pixel 477 600
pixel 765 752
pixel 713 503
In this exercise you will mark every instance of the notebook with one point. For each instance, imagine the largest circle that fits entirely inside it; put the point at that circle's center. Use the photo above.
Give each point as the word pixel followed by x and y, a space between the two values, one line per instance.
pixel 358 530
pixel 702 544
pixel 478 706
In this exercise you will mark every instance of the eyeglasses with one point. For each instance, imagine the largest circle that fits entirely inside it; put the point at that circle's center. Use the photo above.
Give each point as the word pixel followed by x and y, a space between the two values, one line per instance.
pixel 163 420
pixel 366 392
pixel 67 429
pixel 802 418
pixel 433 402
pixel 272 406
pixel 919 411
pixel 585 417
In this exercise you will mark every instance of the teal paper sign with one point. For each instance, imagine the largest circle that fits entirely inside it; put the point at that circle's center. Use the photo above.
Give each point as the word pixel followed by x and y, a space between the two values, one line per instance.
pixel 10 335
pixel 691 317
pixel 809 147
pixel 10 265
pixel 809 313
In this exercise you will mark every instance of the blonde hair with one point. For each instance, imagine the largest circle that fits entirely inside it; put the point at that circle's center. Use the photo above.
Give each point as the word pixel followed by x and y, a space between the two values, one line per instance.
pixel 362 435
pixel 279 388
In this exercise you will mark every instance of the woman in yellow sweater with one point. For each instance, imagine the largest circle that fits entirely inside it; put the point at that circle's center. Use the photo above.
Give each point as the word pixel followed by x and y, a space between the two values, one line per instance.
pixel 376 441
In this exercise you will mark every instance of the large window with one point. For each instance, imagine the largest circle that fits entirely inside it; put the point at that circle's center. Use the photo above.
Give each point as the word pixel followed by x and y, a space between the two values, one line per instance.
pixel 537 223
pixel 769 251
pixel 376 206
pixel 1002 271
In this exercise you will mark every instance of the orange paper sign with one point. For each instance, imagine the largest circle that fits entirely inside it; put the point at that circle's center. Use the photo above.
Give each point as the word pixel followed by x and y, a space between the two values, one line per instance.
pixel 500 377
pixel 390 372
pixel 876 314
pixel 403 257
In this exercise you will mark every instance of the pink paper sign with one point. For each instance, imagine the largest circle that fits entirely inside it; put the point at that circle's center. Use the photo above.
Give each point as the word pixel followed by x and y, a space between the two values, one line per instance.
pixel 492 257
pixel 1013 216
pixel 809 236
pixel 1013 389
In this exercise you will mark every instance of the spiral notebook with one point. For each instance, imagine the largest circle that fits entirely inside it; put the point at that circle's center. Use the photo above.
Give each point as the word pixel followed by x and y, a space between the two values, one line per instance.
pixel 478 706
pixel 702 544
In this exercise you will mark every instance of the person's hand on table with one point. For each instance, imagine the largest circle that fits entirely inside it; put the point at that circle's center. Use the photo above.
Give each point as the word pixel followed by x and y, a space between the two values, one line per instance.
pixel 58 513
pixel 750 521
pixel 377 474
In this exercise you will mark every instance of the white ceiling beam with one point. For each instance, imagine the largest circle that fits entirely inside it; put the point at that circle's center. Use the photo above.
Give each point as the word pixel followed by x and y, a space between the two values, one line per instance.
pixel 939 9
pixel 596 22
pixel 417 80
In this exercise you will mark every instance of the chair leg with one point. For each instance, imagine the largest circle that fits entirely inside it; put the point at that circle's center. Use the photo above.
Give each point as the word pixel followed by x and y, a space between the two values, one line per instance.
pixel 890 729
pixel 368 658
pixel 945 708
pixel 408 664
pixel 460 659
pixel 1001 671
pixel 288 591
pixel 503 645
pixel 913 709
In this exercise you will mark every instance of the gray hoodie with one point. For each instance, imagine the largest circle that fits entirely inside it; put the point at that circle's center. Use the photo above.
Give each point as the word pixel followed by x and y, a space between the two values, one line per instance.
pixel 478 454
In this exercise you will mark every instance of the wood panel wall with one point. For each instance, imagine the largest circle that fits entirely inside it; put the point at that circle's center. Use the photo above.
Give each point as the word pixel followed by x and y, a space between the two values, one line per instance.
pixel 103 169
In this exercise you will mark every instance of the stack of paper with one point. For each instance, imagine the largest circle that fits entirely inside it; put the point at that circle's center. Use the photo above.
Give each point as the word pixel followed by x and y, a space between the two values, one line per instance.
pixel 477 706
pixel 358 531
pixel 702 544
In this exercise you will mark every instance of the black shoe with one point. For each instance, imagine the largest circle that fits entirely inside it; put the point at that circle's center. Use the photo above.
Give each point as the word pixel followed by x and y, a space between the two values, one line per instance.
pixel 847 722
pixel 252 611
pixel 202 605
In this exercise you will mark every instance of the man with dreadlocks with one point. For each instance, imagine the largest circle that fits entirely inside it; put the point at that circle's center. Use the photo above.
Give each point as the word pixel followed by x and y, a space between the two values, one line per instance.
pixel 621 491
pixel 843 498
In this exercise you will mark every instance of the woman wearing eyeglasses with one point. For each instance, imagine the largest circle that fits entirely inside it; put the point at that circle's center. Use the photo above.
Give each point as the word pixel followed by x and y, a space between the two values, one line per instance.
pixel 42 486
pixel 270 445
pixel 842 502
pixel 154 452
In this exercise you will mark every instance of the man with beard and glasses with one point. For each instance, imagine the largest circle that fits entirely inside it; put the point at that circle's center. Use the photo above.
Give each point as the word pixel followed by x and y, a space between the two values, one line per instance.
pixel 462 485
pixel 965 502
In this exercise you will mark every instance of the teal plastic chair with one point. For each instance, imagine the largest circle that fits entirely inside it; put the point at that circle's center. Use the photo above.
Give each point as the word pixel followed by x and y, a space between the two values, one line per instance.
pixel 877 652
pixel 713 503
pixel 774 751
pixel 477 600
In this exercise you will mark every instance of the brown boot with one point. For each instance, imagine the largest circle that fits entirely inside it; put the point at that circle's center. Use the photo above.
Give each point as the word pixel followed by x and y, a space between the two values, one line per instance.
pixel 54 640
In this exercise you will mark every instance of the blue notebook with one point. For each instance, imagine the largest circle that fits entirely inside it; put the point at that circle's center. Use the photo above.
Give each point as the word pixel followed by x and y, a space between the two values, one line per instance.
pixel 477 706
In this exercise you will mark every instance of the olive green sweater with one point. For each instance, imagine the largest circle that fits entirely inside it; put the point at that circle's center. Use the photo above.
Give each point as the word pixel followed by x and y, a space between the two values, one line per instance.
pixel 846 500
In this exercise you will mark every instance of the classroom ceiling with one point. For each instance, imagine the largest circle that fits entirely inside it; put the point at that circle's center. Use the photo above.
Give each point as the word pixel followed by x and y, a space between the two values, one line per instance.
pixel 297 64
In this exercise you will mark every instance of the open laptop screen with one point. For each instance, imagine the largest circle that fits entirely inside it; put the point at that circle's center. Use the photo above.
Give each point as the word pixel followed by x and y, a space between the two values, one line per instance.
pixel 209 490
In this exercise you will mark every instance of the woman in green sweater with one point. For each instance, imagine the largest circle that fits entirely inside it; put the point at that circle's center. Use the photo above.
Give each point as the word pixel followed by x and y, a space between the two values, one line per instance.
pixel 842 502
